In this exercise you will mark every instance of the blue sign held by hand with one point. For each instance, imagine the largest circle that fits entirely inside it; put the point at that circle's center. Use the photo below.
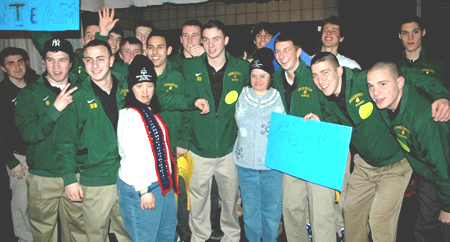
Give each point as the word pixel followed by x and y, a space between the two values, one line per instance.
pixel 310 150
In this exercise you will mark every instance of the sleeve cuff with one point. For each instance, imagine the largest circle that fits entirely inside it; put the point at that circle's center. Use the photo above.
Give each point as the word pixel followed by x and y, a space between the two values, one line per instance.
pixel 69 179
pixel 54 114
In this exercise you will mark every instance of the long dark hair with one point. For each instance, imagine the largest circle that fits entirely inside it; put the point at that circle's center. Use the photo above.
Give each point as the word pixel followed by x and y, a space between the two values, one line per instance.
pixel 131 101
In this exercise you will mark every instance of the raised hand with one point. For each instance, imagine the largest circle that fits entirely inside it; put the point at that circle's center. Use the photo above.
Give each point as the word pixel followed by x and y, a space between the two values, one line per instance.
pixel 64 98
pixel 107 20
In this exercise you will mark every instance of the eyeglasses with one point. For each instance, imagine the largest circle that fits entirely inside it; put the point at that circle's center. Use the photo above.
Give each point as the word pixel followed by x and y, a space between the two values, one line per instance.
pixel 261 77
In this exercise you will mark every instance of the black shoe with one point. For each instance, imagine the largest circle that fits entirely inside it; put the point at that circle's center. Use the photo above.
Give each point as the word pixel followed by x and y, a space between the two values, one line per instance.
pixel 184 238
pixel 216 234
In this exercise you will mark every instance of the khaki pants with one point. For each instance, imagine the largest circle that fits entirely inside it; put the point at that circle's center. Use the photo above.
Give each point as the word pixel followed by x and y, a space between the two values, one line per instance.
pixel 47 197
pixel 297 194
pixel 19 204
pixel 100 206
pixel 374 199
pixel 224 171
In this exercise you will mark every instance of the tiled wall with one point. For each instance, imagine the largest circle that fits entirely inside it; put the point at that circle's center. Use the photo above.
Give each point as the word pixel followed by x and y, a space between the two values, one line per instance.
pixel 171 16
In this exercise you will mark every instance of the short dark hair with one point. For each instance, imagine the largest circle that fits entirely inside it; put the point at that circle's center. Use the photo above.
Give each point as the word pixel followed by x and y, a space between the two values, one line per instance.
pixel 334 20
pixel 131 40
pixel 12 51
pixel 143 23
pixel 192 22
pixel 97 42
pixel 215 24
pixel 158 33
pixel 410 18
pixel 262 26
pixel 391 66
pixel 325 56
pixel 289 36
pixel 118 30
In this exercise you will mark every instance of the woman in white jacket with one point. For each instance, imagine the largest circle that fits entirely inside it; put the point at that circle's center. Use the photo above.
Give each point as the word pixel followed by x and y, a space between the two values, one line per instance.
pixel 147 174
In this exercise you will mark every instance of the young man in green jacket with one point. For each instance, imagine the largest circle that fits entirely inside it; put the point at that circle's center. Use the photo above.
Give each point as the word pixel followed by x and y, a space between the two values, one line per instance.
pixel 90 144
pixel 51 186
pixel 219 78
pixel 191 40
pixel 425 143
pixel 14 64
pixel 381 173
pixel 300 96
pixel 414 55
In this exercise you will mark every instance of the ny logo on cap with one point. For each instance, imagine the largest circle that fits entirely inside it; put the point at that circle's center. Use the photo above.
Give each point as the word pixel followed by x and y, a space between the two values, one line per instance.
pixel 56 42
pixel 143 76
pixel 256 64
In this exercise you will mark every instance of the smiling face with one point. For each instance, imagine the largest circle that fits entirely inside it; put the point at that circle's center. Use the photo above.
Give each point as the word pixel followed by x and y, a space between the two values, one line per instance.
pixel 287 55
pixel 114 40
pixel 262 38
pixel 144 92
pixel 128 52
pixel 214 43
pixel 327 77
pixel 190 36
pixel 58 67
pixel 157 51
pixel 15 67
pixel 98 62
pixel 260 80
pixel 384 88
pixel 411 35
pixel 331 35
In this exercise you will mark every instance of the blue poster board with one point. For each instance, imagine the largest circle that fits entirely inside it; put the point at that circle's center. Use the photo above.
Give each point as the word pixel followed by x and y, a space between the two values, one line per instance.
pixel 53 15
pixel 310 150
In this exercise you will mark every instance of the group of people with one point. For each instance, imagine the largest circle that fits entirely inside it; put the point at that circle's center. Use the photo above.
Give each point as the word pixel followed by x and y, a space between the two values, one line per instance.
pixel 93 142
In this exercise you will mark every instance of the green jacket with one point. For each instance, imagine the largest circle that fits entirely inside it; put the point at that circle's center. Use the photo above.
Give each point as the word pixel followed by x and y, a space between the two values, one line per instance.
pixel 435 67
pixel 370 136
pixel 213 134
pixel 39 121
pixel 306 98
pixel 426 143
pixel 171 84
pixel 89 144
pixel 10 138
pixel 177 59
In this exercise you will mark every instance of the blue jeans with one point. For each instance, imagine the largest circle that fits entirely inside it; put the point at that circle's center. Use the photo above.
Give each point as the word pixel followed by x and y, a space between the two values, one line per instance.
pixel 261 202
pixel 157 224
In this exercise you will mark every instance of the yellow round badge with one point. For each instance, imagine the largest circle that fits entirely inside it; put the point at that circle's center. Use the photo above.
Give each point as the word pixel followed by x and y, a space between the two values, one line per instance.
pixel 365 110
pixel 231 97
pixel 405 147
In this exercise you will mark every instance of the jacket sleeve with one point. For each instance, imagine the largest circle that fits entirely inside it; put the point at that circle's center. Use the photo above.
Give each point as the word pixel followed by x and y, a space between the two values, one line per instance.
pixel 435 144
pixel 34 126
pixel 430 85
pixel 66 144
pixel 6 151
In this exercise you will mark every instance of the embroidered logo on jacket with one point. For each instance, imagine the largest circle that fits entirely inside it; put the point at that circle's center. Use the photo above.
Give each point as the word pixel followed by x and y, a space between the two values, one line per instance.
pixel 170 86
pixel 428 71
pixel 47 102
pixel 123 93
pixel 92 103
pixel 305 90
pixel 235 75
pixel 357 98
pixel 403 133
pixel 199 77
